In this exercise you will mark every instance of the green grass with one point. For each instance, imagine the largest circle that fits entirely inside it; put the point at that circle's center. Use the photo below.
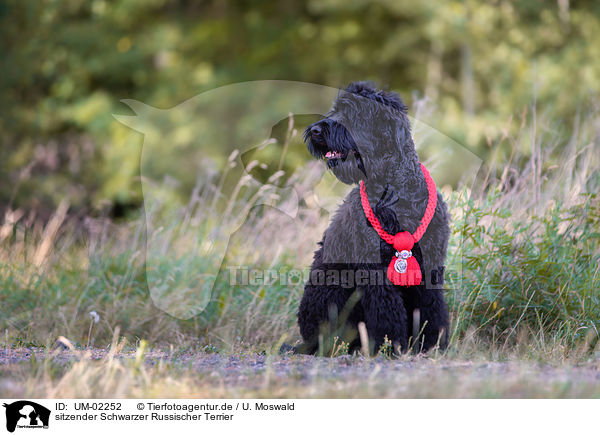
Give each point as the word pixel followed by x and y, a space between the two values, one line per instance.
pixel 537 273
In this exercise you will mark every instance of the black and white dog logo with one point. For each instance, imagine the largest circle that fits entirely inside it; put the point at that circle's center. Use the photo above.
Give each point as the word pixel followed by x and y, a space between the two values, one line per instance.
pixel 26 414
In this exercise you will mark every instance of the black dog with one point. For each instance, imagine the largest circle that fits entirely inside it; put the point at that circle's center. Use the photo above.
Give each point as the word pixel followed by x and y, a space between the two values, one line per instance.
pixel 366 136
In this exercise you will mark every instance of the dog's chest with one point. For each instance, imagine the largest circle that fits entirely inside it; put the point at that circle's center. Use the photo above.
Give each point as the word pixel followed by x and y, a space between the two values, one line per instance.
pixel 350 239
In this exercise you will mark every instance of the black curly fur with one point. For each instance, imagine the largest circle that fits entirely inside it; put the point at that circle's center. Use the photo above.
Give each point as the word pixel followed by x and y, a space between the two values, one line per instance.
pixel 371 131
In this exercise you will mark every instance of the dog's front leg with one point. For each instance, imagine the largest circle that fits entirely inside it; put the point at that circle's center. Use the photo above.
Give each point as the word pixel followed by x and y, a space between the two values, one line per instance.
pixel 323 306
pixel 385 315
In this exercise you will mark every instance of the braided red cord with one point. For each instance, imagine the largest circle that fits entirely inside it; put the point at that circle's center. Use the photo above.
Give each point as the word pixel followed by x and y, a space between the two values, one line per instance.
pixel 431 204
pixel 429 210
pixel 371 216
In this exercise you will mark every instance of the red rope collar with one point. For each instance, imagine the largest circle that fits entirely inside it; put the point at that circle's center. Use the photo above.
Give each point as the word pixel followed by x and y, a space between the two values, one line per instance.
pixel 403 269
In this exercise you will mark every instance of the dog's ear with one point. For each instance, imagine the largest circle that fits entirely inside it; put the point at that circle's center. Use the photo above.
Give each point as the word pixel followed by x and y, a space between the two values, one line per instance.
pixel 403 133
pixel 403 138
pixel 405 148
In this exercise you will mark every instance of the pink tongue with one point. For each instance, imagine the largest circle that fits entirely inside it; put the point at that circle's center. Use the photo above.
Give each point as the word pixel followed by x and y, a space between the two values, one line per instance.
pixel 329 154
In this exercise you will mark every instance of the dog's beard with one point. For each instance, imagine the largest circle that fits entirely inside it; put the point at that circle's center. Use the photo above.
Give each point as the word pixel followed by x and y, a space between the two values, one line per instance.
pixel 336 146
pixel 349 171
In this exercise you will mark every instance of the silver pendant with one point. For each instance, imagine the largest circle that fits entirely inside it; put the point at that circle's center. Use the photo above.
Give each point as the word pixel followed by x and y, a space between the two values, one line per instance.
pixel 400 265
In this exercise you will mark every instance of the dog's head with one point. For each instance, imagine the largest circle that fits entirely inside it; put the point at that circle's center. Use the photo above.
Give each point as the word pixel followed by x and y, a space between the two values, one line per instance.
pixel 366 131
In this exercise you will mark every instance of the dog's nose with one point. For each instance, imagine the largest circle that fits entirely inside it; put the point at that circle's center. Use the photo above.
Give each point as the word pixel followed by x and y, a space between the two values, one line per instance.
pixel 315 130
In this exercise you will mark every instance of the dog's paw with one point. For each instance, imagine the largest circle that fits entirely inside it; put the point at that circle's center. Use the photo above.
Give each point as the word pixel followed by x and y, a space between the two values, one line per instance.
pixel 287 349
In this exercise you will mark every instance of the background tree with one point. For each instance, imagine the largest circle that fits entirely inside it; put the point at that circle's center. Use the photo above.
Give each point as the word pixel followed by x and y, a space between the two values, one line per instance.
pixel 65 65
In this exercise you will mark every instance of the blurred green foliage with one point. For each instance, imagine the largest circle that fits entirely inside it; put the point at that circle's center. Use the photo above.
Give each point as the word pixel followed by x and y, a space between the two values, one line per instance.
pixel 545 281
pixel 66 64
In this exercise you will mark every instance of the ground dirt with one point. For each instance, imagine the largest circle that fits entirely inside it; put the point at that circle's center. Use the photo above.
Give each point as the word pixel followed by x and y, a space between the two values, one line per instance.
pixel 34 372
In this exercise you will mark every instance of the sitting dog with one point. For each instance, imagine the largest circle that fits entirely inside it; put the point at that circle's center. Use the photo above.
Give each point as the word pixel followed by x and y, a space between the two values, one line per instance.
pixel 357 276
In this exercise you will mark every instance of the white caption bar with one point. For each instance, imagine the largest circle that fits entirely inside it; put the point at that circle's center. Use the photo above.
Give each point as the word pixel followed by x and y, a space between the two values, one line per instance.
pixel 75 416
